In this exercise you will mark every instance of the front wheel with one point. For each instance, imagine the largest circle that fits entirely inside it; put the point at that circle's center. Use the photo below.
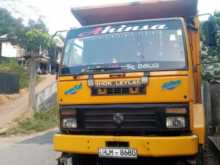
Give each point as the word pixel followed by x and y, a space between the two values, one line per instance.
pixel 200 159
pixel 84 160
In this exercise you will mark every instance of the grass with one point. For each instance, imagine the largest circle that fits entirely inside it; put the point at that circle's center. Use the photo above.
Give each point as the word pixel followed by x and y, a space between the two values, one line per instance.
pixel 11 66
pixel 37 122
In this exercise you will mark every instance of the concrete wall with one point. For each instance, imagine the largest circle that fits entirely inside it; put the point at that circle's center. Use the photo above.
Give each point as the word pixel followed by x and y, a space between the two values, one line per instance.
pixel 46 99
pixel 215 103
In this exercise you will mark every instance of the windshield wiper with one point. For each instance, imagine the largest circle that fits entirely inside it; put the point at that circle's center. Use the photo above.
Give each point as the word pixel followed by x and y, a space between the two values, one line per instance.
pixel 69 71
pixel 92 70
pixel 103 69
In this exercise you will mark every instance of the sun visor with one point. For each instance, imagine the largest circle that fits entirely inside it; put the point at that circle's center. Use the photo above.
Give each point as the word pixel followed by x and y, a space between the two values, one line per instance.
pixel 147 9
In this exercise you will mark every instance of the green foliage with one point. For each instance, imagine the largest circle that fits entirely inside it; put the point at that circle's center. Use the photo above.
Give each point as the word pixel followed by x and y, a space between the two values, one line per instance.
pixel 217 17
pixel 32 37
pixel 8 24
pixel 35 40
pixel 11 66
pixel 211 55
pixel 39 24
pixel 39 121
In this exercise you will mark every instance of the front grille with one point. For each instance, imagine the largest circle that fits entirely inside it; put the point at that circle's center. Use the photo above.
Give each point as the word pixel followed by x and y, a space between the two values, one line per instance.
pixel 140 90
pixel 126 119
pixel 137 119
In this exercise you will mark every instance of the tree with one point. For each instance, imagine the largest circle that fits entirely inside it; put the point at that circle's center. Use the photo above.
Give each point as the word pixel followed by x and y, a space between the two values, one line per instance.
pixel 35 41
pixel 34 38
pixel 8 24
pixel 211 55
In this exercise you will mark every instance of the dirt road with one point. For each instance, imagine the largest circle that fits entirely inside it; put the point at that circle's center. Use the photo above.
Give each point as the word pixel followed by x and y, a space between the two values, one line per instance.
pixel 12 109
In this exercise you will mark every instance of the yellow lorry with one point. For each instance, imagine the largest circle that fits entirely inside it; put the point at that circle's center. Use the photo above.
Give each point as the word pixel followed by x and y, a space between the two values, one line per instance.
pixel 129 84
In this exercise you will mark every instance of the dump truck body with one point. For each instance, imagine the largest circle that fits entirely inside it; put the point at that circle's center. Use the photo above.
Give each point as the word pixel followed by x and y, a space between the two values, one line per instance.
pixel 140 10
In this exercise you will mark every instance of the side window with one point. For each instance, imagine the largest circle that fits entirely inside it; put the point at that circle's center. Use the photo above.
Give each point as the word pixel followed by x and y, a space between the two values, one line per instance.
pixel 73 52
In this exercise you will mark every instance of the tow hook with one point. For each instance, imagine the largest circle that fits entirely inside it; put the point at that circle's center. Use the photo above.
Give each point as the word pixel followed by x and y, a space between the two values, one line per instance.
pixel 65 159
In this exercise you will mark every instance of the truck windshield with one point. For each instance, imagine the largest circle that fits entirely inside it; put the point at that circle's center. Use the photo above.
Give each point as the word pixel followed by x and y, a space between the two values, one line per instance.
pixel 157 47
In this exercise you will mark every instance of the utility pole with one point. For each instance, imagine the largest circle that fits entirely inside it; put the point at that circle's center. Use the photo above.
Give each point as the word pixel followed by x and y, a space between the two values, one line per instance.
pixel 32 67
pixel 0 49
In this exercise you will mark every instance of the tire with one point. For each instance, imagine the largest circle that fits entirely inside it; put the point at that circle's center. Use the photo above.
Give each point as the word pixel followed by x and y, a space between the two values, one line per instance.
pixel 200 159
pixel 180 163
pixel 84 160
pixel 107 162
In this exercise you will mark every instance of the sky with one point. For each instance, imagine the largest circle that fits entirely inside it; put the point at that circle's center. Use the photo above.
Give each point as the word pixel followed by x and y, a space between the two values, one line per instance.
pixel 57 15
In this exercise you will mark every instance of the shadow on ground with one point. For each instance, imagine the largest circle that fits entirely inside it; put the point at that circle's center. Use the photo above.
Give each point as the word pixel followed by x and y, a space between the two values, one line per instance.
pixel 41 139
pixel 46 140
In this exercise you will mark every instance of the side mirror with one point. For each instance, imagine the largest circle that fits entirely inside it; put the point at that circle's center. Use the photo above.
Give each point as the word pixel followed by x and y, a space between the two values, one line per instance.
pixel 57 72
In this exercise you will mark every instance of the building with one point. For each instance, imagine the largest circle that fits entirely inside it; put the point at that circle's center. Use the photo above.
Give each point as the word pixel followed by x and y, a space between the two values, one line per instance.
pixel 48 59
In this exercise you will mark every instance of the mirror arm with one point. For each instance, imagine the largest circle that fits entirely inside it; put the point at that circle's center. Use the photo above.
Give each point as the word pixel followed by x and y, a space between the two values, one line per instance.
pixel 204 14
pixel 192 28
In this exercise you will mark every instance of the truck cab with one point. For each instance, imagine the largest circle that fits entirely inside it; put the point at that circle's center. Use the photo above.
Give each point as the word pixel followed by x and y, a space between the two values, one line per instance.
pixel 129 85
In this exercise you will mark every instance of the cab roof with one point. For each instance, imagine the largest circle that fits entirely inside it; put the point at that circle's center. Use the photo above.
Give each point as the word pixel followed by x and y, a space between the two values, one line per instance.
pixel 147 9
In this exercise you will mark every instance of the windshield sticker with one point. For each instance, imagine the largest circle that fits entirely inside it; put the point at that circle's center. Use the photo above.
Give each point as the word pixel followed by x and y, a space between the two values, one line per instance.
pixel 173 37
pixel 122 28
pixel 179 32
pixel 171 85
pixel 114 61
pixel 73 90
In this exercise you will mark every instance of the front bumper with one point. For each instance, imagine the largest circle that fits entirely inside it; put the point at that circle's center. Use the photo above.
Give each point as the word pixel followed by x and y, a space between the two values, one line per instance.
pixel 146 146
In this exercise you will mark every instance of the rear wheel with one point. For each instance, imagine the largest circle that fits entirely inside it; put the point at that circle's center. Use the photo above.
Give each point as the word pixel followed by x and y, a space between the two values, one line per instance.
pixel 84 160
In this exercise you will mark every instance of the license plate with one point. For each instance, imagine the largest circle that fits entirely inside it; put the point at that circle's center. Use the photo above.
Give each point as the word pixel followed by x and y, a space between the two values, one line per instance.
pixel 128 153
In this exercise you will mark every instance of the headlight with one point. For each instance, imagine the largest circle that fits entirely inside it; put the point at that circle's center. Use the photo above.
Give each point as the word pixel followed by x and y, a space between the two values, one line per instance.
pixel 175 122
pixel 68 118
pixel 69 123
